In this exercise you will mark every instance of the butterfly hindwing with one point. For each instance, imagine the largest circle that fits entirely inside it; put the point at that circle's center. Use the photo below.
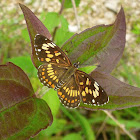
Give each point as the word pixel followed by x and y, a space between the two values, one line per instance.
pixel 69 93
pixel 47 51
pixel 91 92
pixel 50 74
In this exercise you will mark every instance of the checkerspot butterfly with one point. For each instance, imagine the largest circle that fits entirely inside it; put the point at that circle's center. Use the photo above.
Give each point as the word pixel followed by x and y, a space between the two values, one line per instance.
pixel 57 72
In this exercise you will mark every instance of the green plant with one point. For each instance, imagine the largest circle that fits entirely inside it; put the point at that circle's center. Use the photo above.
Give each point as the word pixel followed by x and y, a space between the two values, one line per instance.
pixel 136 30
pixel 101 39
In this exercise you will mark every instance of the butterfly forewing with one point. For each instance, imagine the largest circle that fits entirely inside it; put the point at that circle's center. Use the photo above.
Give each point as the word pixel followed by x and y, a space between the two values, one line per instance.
pixel 50 74
pixel 69 93
pixel 91 92
pixel 47 51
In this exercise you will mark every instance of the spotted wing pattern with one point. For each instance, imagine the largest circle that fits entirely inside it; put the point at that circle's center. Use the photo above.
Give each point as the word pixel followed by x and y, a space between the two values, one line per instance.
pixel 47 51
pixel 79 86
pixel 69 93
pixel 91 92
pixel 50 74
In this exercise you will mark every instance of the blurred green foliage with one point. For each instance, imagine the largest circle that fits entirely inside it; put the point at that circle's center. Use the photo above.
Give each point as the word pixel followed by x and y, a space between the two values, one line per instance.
pixel 68 3
pixel 57 21
pixel 68 123
pixel 131 73
pixel 136 30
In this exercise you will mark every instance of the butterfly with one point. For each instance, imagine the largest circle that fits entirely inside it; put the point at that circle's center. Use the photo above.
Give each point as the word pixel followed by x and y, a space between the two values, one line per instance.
pixel 57 72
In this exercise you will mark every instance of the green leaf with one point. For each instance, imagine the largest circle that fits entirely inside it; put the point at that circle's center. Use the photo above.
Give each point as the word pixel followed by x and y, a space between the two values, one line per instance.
pixel 22 115
pixel 52 100
pixel 68 3
pixel 87 69
pixel 64 23
pixel 24 33
pixel 103 44
pixel 62 36
pixel 25 63
pixel 51 21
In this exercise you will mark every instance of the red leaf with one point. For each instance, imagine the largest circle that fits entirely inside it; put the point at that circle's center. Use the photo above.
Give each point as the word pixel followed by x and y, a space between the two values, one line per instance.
pixel 22 115
pixel 34 26
pixel 114 50
pixel 103 44
pixel 13 79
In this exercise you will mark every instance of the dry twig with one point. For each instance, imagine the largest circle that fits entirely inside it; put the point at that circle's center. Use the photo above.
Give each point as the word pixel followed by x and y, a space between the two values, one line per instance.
pixel 102 127
pixel 76 15
pixel 122 126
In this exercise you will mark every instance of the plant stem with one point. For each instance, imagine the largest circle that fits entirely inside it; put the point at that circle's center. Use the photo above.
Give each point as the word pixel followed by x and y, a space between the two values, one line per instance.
pixel 76 15
pixel 122 126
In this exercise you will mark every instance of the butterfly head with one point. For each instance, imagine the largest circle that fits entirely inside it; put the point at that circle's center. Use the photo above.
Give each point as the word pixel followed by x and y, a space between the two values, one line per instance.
pixel 76 65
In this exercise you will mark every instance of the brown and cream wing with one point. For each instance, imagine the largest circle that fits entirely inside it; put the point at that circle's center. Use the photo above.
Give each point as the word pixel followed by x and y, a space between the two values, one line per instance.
pixel 49 52
pixel 69 93
pixel 50 74
pixel 90 90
